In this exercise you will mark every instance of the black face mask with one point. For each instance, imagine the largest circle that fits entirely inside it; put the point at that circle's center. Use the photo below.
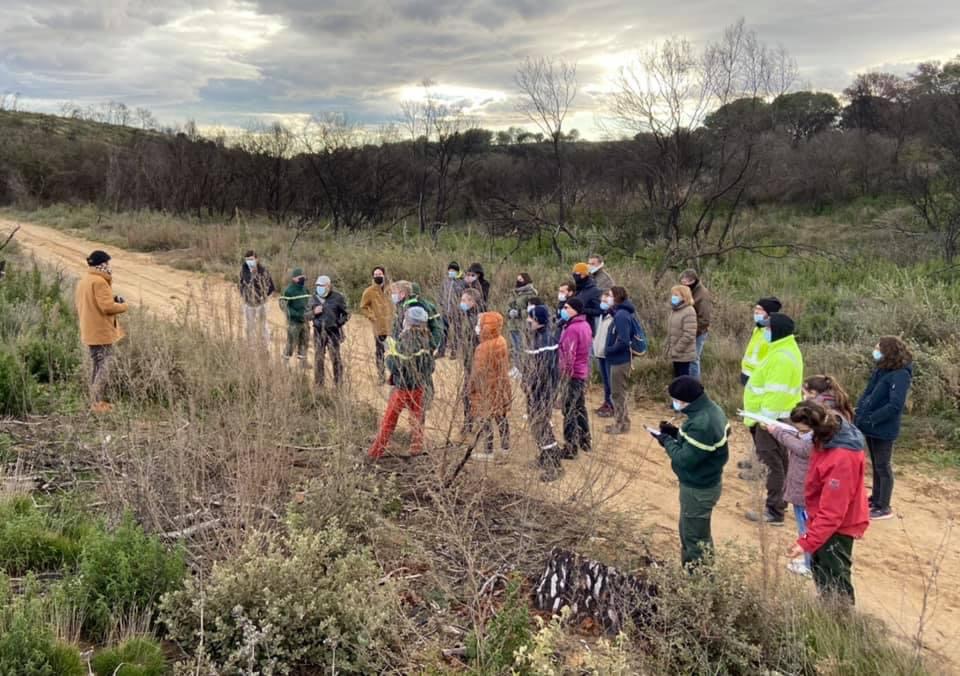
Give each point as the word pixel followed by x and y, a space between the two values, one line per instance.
pixel 378 280
pixel 520 283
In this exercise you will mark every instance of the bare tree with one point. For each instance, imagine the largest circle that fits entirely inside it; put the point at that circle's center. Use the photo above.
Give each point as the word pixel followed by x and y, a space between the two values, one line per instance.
pixel 549 89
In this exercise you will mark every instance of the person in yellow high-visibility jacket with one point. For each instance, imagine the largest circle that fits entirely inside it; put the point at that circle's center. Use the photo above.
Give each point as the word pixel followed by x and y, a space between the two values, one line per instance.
pixel 757 347
pixel 774 388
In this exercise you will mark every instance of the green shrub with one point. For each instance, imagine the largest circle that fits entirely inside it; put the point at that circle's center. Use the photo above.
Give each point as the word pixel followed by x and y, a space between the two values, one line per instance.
pixel 508 631
pixel 16 385
pixel 32 540
pixel 285 603
pixel 134 657
pixel 28 646
pixel 122 574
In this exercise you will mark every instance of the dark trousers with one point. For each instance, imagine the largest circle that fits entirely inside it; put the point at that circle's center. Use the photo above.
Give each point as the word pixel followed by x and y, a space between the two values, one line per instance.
pixel 538 415
pixel 380 347
pixel 576 424
pixel 324 341
pixel 485 432
pixel 619 387
pixel 775 458
pixel 696 509
pixel 604 369
pixel 831 568
pixel 298 337
pixel 881 455
pixel 681 368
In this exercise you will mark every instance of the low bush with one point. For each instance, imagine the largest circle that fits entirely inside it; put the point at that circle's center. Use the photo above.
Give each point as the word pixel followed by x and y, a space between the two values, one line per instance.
pixel 32 540
pixel 28 646
pixel 122 574
pixel 286 603
pixel 507 632
pixel 139 656
pixel 16 385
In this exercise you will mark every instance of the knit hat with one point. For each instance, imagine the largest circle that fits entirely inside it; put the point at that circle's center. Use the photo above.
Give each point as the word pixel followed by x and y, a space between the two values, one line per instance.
pixel 686 389
pixel 781 326
pixel 581 269
pixel 576 305
pixel 416 315
pixel 297 272
pixel 476 269
pixel 770 305
pixel 97 258
pixel 323 280
pixel 454 266
pixel 540 314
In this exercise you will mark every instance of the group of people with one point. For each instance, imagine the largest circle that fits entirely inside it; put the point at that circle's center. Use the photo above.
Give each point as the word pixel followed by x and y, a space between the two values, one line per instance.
pixel 808 436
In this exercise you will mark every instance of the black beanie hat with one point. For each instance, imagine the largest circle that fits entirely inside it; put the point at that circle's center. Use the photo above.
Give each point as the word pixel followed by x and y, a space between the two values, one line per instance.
pixel 97 258
pixel 576 304
pixel 476 269
pixel 686 389
pixel 770 305
pixel 540 314
pixel 781 326
pixel 454 266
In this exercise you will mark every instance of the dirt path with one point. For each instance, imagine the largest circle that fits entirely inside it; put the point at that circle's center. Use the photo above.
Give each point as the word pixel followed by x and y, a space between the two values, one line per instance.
pixel 893 562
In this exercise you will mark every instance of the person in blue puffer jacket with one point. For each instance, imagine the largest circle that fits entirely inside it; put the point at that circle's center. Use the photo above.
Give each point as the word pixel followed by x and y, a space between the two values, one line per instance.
pixel 619 357
pixel 878 416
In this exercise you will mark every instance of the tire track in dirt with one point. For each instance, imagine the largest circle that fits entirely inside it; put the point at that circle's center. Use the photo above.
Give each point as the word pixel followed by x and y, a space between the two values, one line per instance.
pixel 891 562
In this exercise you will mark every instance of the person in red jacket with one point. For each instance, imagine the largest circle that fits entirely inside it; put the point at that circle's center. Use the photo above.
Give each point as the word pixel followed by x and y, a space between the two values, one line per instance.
pixel 574 354
pixel 836 501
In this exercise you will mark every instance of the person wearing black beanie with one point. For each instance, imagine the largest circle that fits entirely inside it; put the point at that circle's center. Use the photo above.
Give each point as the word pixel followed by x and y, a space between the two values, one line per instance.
pixel 450 291
pixel 774 388
pixel 757 347
pixel 698 452
pixel 98 310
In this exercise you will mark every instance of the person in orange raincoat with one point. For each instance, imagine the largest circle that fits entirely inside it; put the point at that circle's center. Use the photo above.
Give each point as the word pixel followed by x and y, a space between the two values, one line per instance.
pixel 489 385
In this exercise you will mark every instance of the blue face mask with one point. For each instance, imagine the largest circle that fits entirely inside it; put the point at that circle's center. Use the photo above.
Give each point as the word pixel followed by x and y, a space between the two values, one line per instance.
pixel 321 291
pixel 675 300
pixel 604 306
pixel 877 355
pixel 464 307
pixel 452 274
pixel 565 315
pixel 678 406
pixel 760 320
pixel 768 335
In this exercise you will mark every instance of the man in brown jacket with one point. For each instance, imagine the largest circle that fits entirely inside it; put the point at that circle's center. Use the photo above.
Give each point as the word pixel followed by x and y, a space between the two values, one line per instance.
pixel 97 310
pixel 375 305
pixel 703 304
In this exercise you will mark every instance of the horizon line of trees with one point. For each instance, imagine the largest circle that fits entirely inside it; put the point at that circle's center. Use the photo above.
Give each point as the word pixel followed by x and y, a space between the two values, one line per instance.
pixel 710 132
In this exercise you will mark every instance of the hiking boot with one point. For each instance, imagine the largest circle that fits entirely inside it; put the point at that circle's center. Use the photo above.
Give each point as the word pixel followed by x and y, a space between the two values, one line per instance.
pixel 101 407
pixel 605 411
pixel 551 473
pixel 617 429
pixel 748 476
pixel 745 464
pixel 568 452
pixel 766 518
pixel 800 567
pixel 881 513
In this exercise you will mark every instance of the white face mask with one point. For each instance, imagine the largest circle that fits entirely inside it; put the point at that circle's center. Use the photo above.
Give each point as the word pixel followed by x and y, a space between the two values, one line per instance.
pixel 561 297
pixel 251 263
pixel 477 329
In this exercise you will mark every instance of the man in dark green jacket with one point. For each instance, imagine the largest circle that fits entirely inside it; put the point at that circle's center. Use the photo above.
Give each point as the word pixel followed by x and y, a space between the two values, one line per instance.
pixel 698 451
pixel 293 302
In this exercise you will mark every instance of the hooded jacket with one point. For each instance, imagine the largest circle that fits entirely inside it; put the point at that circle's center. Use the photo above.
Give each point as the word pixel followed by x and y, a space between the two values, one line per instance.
pixel 409 359
pixel 776 385
pixel 836 500
pixel 434 325
pixel 588 292
pixel 682 334
pixel 574 356
pixel 539 368
pixel 755 353
pixel 701 449
pixel 880 409
pixel 799 448
pixel 517 310
pixel 255 285
pixel 618 339
pixel 334 314
pixel 375 305
pixel 489 389
pixel 96 310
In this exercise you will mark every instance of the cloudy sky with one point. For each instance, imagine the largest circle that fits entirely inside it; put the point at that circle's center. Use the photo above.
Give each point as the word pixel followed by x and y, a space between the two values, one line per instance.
pixel 236 62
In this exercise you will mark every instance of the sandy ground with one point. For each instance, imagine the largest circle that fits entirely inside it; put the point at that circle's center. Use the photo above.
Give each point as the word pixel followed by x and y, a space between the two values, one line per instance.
pixel 894 564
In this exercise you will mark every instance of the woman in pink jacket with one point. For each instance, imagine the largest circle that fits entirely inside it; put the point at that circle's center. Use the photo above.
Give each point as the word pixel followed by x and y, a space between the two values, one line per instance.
pixel 827 392
pixel 574 357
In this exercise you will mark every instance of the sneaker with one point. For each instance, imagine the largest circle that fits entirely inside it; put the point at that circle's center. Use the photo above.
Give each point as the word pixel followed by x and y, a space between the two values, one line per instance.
pixel 766 518
pixel 745 464
pixel 483 457
pixel 551 473
pixel 568 452
pixel 881 513
pixel 748 476
pixel 799 567
pixel 605 411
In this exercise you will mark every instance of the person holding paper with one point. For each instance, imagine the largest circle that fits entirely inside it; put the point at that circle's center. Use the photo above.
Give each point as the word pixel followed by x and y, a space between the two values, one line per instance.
pixel 835 497
pixel 698 451
pixel 772 391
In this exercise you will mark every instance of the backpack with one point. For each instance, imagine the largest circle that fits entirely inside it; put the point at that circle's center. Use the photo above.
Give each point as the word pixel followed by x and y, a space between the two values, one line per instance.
pixel 638 339
pixel 434 322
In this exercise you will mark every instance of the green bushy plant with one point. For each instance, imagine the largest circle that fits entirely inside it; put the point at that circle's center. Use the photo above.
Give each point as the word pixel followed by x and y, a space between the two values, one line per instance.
pixel 122 573
pixel 28 646
pixel 285 603
pixel 140 656
pixel 505 634
pixel 16 385
pixel 31 540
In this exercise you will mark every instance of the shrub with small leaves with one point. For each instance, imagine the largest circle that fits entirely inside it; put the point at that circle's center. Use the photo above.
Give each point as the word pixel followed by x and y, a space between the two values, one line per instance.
pixel 32 540
pixel 28 647
pixel 508 631
pixel 139 656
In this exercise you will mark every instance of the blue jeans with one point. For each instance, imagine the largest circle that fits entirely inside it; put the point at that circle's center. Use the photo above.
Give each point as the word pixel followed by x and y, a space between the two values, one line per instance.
pixel 800 514
pixel 695 366
pixel 605 378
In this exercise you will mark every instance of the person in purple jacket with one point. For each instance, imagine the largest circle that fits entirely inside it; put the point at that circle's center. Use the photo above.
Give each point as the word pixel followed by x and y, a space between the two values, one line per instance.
pixel 574 355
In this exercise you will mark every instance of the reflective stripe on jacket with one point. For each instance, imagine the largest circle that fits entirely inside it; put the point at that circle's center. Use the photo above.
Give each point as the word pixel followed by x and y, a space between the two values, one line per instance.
pixel 776 385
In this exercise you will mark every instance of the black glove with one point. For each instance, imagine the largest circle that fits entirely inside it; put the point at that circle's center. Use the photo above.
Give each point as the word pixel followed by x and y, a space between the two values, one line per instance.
pixel 666 429
pixel 118 299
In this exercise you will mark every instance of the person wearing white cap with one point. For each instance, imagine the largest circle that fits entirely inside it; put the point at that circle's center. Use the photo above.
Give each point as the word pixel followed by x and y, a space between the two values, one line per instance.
pixel 327 310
